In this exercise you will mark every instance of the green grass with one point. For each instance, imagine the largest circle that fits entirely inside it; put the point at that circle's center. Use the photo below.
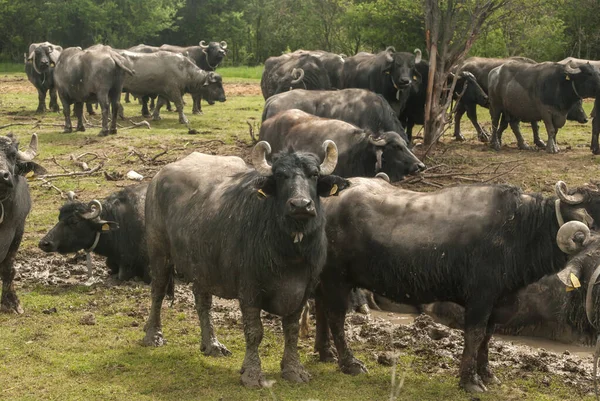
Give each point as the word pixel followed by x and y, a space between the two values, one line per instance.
pixel 7 67
pixel 242 72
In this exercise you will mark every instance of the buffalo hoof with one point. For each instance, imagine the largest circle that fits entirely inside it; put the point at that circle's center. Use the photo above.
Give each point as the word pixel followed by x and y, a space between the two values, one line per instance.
pixel 183 121
pixel 215 349
pixel 68 130
pixel 147 115
pixel 459 137
pixel 81 129
pixel 328 355
pixel 489 378
pixel 40 111
pixel 10 304
pixel 295 373
pixel 364 309
pixel 596 151
pixel 483 137
pixel 353 367
pixel 92 112
pixel 55 109
pixel 552 148
pixel 112 131
pixel 156 118
pixel 252 377
pixel 540 144
pixel 197 112
pixel 524 146
pixel 495 145
pixel 154 338
pixel 103 133
pixel 473 384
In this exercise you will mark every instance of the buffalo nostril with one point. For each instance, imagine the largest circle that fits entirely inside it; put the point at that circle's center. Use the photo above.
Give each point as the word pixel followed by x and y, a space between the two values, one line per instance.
pixel 421 166
pixel 5 176
pixel 300 203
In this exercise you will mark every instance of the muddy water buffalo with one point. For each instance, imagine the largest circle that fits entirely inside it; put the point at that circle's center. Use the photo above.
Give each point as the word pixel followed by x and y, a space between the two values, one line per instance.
pixel 39 67
pixel 113 228
pixel 94 74
pixel 299 70
pixel 533 92
pixel 208 57
pixel 359 107
pixel 170 76
pixel 360 154
pixel 15 204
pixel 258 236
pixel 388 73
pixel 473 245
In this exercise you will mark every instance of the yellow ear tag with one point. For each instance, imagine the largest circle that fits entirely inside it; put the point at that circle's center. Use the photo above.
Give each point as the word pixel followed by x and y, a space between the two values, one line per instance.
pixel 334 189
pixel 387 72
pixel 568 78
pixel 262 194
pixel 575 280
pixel 415 77
pixel 569 289
pixel 29 174
pixel 105 227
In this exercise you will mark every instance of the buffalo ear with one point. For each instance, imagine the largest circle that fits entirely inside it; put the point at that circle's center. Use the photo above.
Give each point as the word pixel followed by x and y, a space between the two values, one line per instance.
pixel 264 186
pixel 25 168
pixel 107 226
pixel 331 185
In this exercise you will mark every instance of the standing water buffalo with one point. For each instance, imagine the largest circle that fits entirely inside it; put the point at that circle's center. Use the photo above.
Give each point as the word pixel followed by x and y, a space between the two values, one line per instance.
pixel 359 107
pixel 532 92
pixel 258 236
pixel 474 245
pixel 39 67
pixel 298 70
pixel 388 73
pixel 15 204
pixel 113 228
pixel 207 57
pixel 360 154
pixel 170 75
pixel 94 74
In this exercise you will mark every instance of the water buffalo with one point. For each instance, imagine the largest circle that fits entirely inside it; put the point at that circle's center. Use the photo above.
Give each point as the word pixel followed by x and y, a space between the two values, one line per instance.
pixel 533 92
pixel 388 73
pixel 475 245
pixel 360 154
pixel 359 107
pixel 39 67
pixel 15 204
pixel 207 57
pixel 113 228
pixel 142 48
pixel 94 74
pixel 170 75
pixel 258 236
pixel 299 70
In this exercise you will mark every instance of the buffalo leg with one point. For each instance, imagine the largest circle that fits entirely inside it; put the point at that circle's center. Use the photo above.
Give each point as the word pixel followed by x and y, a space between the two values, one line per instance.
pixel 127 97
pixel 476 320
pixel 521 143
pixel 535 127
pixel 595 129
pixel 115 106
pixel 322 341
pixel 551 146
pixel 152 103
pixel 179 106
pixel 78 110
pixel 41 101
pixel 496 141
pixel 209 346
pixel 89 107
pixel 156 113
pixel 53 101
pixel 162 273
pixel 105 108
pixel 197 106
pixel 9 302
pixel 305 321
pixel 483 365
pixel 472 114
pixel 67 113
pixel 460 111
pixel 291 368
pixel 253 332
pixel 145 111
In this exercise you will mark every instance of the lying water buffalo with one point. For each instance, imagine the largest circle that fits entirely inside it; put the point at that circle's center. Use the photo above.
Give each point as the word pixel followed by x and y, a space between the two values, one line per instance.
pixel 474 245
pixel 388 73
pixel 298 70
pixel 94 74
pixel 206 56
pixel 359 107
pixel 113 228
pixel 170 76
pixel 533 92
pixel 258 235
pixel 15 204
pixel 39 67
pixel 360 154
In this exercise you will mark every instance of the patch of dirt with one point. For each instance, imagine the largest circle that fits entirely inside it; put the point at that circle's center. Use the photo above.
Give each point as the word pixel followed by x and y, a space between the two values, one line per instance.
pixel 242 89
pixel 16 84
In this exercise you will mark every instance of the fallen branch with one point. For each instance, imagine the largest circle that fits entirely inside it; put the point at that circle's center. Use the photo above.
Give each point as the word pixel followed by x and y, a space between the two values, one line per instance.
pixel 53 160
pixel 167 150
pixel 133 151
pixel 74 173
pixel 142 123
pixel 81 164
pixel 49 185
pixel 11 124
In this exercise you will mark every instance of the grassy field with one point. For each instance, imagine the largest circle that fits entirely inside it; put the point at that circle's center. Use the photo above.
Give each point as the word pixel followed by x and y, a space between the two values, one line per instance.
pixel 54 356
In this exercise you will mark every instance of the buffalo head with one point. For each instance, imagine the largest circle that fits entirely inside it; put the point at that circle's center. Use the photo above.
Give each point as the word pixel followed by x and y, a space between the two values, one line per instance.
pixel 212 88
pixel 215 52
pixel 77 228
pixel 585 79
pixel 14 163
pixel 469 90
pixel 580 204
pixel 295 182
pixel 393 156
pixel 401 68
pixel 42 58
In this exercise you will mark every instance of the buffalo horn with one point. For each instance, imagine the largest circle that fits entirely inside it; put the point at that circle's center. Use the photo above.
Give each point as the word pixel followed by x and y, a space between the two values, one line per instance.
pixel 383 176
pixel 572 70
pixel 223 44
pixel 203 45
pixel 589 300
pixel 417 56
pixel 298 75
pixel 32 57
pixel 31 152
pixel 562 193
pixel 95 210
pixel 377 141
pixel 331 157
pixel 259 158
pixel 572 236
pixel 71 196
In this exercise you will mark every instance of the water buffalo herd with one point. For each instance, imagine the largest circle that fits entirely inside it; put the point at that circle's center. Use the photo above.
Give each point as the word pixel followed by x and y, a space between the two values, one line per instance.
pixel 317 214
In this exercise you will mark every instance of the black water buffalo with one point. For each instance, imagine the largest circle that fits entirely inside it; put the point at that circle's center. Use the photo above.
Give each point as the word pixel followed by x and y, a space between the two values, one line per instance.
pixel 142 48
pixel 360 154
pixel 39 67
pixel 258 235
pixel 545 309
pixel 207 57
pixel 533 92
pixel 113 228
pixel 333 64
pixel 170 76
pixel 474 245
pixel 299 70
pixel 388 73
pixel 15 204
pixel 94 74
pixel 359 107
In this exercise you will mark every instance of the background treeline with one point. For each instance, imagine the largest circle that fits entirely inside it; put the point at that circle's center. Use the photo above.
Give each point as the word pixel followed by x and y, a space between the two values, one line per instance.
pixel 257 29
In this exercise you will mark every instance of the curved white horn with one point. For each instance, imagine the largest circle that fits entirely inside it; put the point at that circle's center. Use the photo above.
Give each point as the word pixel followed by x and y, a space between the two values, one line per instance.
pixel 259 158
pixel 331 157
